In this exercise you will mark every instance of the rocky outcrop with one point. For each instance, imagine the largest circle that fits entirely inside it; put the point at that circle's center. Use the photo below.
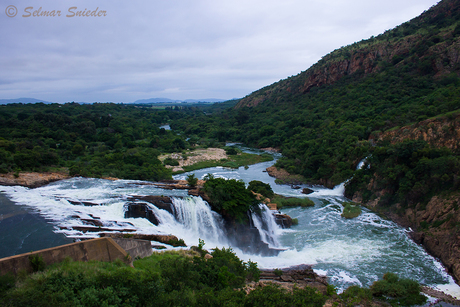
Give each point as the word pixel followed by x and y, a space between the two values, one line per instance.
pixel 438 132
pixel 283 220
pixel 297 276
pixel 247 238
pixel 436 50
pixel 161 202
pixel 283 176
pixel 437 230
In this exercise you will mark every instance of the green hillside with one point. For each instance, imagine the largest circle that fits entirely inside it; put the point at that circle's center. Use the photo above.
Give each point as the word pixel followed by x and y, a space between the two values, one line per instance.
pixel 325 118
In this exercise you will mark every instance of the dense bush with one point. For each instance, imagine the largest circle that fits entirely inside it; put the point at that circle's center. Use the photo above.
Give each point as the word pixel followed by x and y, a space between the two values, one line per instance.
pixel 410 171
pixel 405 292
pixel 166 279
pixel 183 278
pixel 229 197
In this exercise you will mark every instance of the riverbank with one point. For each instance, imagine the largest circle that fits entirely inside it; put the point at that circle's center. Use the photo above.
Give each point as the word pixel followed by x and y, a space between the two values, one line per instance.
pixel 32 179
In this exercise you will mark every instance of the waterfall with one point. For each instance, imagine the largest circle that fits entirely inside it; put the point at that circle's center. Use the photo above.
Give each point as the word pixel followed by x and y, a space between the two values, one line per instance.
pixel 264 221
pixel 197 217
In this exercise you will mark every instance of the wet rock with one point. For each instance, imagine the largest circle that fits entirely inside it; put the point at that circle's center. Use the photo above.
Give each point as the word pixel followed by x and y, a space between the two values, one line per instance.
pixel 84 203
pixel 283 220
pixel 161 202
pixel 92 222
pixel 140 210
pixel 85 229
pixel 307 191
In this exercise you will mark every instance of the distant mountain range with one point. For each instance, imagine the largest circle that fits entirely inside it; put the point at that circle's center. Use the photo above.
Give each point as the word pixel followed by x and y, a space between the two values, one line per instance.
pixel 140 101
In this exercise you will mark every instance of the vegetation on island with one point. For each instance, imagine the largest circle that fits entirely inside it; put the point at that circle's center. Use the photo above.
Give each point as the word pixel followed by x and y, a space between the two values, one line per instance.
pixel 229 197
pixel 282 202
pixel 351 210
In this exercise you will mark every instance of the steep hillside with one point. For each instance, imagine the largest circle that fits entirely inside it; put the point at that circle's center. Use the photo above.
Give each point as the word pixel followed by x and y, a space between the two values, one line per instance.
pixel 428 44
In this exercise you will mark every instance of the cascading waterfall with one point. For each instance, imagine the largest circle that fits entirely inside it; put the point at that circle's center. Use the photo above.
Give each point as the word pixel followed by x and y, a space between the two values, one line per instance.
pixel 265 223
pixel 196 217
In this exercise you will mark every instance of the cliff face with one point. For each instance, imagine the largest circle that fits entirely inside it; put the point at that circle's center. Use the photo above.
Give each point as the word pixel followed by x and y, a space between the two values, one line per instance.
pixel 438 132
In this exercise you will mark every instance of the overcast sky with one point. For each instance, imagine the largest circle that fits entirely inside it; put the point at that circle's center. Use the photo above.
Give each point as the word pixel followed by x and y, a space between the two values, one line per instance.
pixel 177 49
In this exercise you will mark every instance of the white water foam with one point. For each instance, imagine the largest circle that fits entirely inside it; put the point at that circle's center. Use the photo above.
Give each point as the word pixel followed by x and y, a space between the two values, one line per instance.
pixel 338 190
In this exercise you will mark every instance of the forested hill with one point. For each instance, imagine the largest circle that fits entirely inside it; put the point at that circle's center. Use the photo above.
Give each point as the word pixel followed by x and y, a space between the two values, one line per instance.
pixel 391 101
pixel 426 45
pixel 324 119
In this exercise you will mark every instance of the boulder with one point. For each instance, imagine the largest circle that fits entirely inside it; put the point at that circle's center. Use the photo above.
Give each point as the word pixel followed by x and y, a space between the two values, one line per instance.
pixel 283 220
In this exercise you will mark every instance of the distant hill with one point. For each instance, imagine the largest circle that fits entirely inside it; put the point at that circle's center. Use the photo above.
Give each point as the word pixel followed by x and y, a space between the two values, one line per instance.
pixel 167 100
pixel 23 100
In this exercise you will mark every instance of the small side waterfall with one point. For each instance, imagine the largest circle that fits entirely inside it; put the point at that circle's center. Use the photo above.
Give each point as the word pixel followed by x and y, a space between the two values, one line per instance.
pixel 265 223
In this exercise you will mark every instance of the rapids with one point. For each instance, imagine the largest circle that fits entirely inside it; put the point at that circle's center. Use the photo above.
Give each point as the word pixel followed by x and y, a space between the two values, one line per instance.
pixel 350 252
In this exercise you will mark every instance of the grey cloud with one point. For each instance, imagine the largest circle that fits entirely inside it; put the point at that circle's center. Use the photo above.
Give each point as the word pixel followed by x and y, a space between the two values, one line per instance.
pixel 179 49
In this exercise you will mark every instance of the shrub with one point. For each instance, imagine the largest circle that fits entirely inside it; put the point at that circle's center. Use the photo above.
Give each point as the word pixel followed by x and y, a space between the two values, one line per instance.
pixel 192 180
pixel 229 197
pixel 37 263
pixel 351 210
pixel 356 295
pixel 404 292
pixel 231 151
pixel 171 161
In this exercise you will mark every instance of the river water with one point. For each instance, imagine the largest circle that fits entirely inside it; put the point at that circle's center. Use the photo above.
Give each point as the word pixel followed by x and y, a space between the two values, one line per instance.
pixel 349 251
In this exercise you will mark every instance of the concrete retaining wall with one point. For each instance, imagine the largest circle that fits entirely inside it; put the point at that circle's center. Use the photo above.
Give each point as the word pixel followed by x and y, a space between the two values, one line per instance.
pixel 135 248
pixel 101 249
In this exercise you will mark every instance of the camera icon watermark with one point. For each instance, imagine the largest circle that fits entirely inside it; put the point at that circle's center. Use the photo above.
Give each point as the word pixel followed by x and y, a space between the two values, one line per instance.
pixel 11 11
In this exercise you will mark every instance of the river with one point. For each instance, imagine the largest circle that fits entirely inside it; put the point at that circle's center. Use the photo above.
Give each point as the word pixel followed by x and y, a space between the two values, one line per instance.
pixel 350 252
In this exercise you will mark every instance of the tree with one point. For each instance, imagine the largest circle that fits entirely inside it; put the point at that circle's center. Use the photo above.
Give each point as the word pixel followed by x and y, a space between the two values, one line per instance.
pixel 230 197
pixel 192 180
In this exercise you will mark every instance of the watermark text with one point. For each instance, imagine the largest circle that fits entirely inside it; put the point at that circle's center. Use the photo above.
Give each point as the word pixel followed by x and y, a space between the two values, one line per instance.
pixel 74 11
